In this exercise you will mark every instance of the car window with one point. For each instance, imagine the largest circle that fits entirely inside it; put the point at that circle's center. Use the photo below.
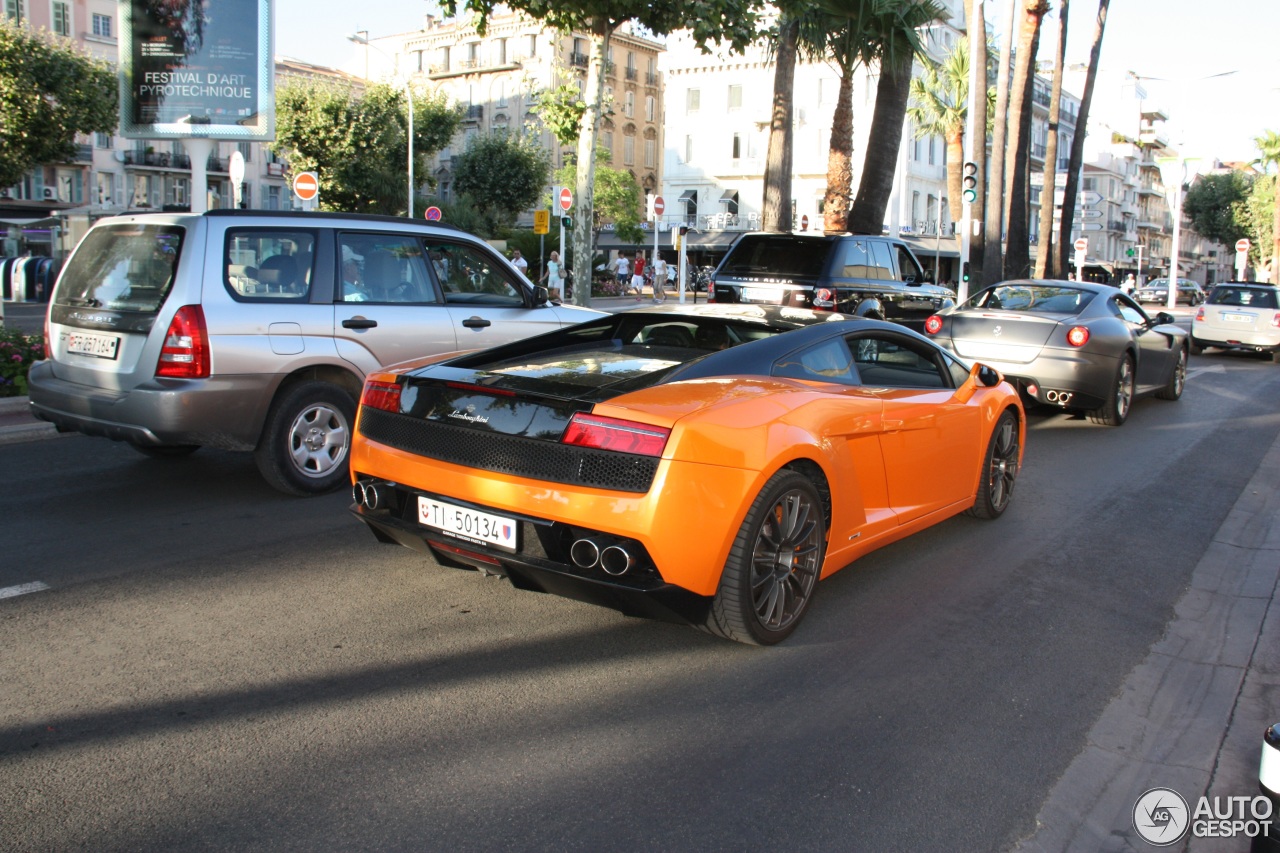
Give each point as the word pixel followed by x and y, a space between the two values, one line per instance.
pixel 126 268
pixel 383 268
pixel 469 275
pixel 1127 310
pixel 855 260
pixel 883 260
pixel 1244 297
pixel 887 360
pixel 908 270
pixel 268 264
pixel 1034 298
pixel 782 255
pixel 828 361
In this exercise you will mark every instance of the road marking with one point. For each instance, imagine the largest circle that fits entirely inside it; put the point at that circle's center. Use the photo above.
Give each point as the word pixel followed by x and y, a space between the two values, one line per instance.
pixel 1215 368
pixel 22 589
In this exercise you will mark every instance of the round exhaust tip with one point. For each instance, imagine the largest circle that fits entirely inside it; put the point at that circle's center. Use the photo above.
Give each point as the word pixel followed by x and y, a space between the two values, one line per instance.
pixel 615 560
pixel 372 499
pixel 584 553
pixel 357 493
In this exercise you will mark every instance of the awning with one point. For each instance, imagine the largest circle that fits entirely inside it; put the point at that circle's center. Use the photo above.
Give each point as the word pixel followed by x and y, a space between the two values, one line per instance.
pixel 712 239
pixel 22 222
pixel 929 246
pixel 689 197
pixel 729 197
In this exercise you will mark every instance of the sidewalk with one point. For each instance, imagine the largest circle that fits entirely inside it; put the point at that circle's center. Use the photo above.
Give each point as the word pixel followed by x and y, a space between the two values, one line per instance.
pixel 17 423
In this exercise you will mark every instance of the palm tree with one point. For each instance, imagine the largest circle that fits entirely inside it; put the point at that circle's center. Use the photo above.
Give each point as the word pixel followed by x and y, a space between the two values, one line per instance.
pixel 776 206
pixel 993 256
pixel 1017 261
pixel 1044 250
pixel 1269 147
pixel 983 111
pixel 1077 144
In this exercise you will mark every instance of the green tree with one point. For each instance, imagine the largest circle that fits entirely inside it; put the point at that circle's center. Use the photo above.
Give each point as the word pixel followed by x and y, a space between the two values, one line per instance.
pixel 561 110
pixel 1216 206
pixel 1259 213
pixel 504 173
pixel 50 91
pixel 358 143
pixel 733 21
pixel 1269 147
pixel 618 197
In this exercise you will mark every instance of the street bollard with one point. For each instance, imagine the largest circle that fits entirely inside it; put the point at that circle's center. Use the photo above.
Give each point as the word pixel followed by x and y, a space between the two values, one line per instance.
pixel 1269 784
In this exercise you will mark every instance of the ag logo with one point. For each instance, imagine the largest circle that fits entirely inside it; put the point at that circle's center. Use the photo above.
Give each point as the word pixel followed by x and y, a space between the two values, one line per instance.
pixel 1161 817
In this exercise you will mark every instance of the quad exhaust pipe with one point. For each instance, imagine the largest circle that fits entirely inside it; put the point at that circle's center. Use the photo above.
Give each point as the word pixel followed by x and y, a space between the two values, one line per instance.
pixel 1062 398
pixel 613 559
pixel 370 494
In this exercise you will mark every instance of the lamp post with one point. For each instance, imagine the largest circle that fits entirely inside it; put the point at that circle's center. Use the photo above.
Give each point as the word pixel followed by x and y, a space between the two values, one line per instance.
pixel 408 92
pixel 1173 172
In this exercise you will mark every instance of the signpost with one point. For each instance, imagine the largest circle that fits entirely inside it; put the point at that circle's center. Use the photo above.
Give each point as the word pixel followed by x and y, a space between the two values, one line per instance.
pixel 1242 257
pixel 542 222
pixel 566 202
pixel 1081 246
pixel 433 214
pixel 566 199
pixel 306 186
pixel 658 207
pixel 235 169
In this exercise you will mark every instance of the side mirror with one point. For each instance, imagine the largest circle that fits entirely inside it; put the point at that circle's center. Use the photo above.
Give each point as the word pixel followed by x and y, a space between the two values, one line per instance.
pixel 540 295
pixel 1164 318
pixel 987 377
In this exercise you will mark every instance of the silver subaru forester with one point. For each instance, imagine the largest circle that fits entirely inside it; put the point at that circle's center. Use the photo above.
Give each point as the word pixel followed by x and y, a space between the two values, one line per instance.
pixel 253 330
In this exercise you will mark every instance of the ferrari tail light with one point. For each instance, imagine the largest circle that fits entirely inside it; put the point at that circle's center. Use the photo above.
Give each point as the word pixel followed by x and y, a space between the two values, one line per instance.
pixel 1200 313
pixel 603 433
pixel 381 395
pixel 185 353
pixel 933 325
pixel 1078 336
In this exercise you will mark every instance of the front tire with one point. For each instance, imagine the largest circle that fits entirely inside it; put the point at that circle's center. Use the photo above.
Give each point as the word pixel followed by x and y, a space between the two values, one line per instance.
pixel 1115 411
pixel 1177 380
pixel 307 439
pixel 999 469
pixel 773 567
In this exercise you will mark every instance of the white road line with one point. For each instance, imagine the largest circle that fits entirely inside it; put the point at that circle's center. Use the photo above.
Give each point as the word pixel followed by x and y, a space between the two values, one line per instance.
pixel 22 589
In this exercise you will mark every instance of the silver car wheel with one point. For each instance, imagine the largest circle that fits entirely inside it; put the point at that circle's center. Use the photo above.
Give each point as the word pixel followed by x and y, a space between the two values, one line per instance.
pixel 318 440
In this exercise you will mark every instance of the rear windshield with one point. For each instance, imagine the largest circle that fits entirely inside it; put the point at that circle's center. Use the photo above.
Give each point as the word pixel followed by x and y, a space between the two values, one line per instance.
pixel 1034 298
pixel 1244 297
pixel 122 268
pixel 781 255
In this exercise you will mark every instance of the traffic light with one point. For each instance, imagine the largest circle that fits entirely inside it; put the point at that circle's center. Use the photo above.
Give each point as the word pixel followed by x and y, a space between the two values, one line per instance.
pixel 964 272
pixel 566 221
pixel 969 181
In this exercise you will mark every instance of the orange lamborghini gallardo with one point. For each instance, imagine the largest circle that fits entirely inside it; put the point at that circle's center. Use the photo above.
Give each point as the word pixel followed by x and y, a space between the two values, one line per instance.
pixel 706 464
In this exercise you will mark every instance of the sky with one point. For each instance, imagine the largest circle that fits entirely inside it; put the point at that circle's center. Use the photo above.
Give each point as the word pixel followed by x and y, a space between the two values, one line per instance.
pixel 1176 47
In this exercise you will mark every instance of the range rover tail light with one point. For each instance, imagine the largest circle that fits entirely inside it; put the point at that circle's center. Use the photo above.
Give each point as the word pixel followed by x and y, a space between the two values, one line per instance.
pixel 604 433
pixel 185 353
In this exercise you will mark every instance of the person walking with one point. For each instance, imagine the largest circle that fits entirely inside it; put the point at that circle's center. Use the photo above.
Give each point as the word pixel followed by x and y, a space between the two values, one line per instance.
pixel 553 276
pixel 637 276
pixel 659 280
pixel 520 263
pixel 622 268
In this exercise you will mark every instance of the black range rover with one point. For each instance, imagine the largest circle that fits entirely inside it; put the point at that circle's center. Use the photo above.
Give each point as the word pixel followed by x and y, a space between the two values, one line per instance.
pixel 863 275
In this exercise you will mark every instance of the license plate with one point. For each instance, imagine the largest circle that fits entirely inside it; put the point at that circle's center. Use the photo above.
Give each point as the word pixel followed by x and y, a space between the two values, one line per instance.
pixel 98 346
pixel 1236 318
pixel 468 523
pixel 762 294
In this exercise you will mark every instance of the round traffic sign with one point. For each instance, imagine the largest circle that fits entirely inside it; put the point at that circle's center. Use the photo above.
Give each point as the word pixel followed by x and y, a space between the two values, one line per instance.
pixel 658 206
pixel 306 185
pixel 1082 244
pixel 804 223
pixel 433 214
pixel 566 199
pixel 1242 245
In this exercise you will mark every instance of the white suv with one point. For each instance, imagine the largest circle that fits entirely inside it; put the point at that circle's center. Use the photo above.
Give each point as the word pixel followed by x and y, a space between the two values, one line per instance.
pixel 253 330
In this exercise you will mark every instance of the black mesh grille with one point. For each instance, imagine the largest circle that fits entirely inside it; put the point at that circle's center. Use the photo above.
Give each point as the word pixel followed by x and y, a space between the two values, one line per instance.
pixel 508 454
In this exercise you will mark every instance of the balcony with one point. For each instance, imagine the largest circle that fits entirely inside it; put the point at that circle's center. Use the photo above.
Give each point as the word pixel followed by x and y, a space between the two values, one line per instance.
pixel 578 60
pixel 631 74
pixel 651 78
pixel 157 160
pixel 216 164
pixel 475 112
pixel 84 154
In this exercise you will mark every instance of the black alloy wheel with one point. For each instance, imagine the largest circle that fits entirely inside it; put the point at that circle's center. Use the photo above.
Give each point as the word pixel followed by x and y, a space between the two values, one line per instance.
pixel 999 469
pixel 1115 411
pixel 1177 379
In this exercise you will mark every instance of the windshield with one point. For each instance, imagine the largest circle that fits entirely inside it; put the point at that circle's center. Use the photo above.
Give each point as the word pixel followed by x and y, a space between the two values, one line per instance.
pixel 780 255
pixel 1244 297
pixel 1034 298
pixel 122 268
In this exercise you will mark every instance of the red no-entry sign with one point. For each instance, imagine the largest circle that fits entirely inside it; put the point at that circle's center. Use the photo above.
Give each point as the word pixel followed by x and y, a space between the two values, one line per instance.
pixel 306 185
pixel 566 199
pixel 658 206
pixel 1082 244
pixel 1242 245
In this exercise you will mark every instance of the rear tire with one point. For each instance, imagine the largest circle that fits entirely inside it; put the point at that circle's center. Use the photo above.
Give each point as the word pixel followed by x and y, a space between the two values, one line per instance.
pixel 1115 411
pixel 999 469
pixel 306 440
pixel 1177 380
pixel 1195 346
pixel 773 567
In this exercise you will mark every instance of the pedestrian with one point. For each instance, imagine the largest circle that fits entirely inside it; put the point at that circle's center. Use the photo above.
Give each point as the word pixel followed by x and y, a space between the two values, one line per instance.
pixel 622 268
pixel 1130 284
pixel 637 275
pixel 553 276
pixel 520 263
pixel 659 280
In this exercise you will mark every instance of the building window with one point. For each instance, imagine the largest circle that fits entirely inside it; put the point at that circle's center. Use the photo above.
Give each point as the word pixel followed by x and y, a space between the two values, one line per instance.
pixel 607 137
pixel 629 105
pixel 61 18
pixel 502 93
pixel 650 153
pixel 532 46
pixel 688 149
pixel 628 150
pixel 102 25
pixel 444 58
pixel 735 96
pixel 15 10
pixel 692 100
pixel 650 107
pixel 932 149
pixel 103 140
pixel 272 199
pixel 502 51
pixel 737 146
pixel 106 188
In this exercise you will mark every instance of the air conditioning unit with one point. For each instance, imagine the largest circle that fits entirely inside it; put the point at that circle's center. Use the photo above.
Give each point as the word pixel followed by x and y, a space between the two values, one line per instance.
pixel 50 194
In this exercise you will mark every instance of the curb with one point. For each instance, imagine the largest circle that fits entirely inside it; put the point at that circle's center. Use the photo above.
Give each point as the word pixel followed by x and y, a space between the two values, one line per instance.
pixel 22 428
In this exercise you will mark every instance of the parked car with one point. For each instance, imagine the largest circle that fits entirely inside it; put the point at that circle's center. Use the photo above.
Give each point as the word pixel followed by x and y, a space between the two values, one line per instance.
pixel 855 274
pixel 1157 290
pixel 253 330
pixel 705 464
pixel 1243 315
pixel 1074 345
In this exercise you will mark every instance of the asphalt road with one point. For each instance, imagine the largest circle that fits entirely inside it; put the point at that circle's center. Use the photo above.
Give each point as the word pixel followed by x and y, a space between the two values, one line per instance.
pixel 215 666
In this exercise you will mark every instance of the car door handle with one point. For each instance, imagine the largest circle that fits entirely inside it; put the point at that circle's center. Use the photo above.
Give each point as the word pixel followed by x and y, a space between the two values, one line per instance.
pixel 476 323
pixel 359 323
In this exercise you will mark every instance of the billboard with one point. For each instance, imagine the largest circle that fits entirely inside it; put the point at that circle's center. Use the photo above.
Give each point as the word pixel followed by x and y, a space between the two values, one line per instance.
pixel 196 68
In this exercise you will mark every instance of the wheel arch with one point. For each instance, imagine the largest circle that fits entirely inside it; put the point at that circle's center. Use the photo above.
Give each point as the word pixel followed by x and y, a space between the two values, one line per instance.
pixel 333 374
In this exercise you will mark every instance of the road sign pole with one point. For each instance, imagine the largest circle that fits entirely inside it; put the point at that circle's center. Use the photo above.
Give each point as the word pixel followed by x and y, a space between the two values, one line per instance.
pixel 1242 257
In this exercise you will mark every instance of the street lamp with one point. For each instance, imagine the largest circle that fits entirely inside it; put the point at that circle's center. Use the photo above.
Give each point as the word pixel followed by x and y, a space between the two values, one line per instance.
pixel 408 92
pixel 1173 172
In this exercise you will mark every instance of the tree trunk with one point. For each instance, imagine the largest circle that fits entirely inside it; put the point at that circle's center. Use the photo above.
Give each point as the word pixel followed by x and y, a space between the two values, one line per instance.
pixel 583 210
pixel 978 146
pixel 776 207
pixel 955 163
pixel 1044 246
pixel 1274 277
pixel 993 258
pixel 839 196
pixel 883 141
pixel 1017 258
pixel 1077 142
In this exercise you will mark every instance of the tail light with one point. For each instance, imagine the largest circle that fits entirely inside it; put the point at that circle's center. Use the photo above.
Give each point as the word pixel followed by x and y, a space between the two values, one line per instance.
pixel 381 395
pixel 1275 321
pixel 1200 313
pixel 1078 336
pixel 48 341
pixel 824 299
pixel 711 288
pixel 185 354
pixel 933 325
pixel 604 433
